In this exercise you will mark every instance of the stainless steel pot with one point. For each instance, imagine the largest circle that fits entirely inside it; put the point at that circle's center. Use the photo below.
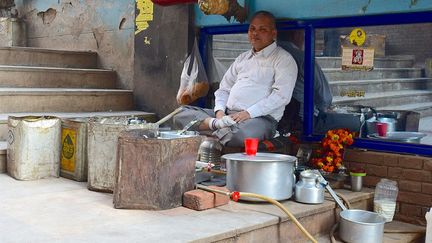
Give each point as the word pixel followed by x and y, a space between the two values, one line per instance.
pixel 358 226
pixel 268 174
pixel 308 189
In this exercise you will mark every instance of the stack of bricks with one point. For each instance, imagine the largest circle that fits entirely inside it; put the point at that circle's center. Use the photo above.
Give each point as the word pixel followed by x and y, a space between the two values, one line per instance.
pixel 412 173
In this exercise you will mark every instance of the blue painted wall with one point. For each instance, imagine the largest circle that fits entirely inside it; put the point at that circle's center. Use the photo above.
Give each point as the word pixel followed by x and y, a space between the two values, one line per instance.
pixel 313 9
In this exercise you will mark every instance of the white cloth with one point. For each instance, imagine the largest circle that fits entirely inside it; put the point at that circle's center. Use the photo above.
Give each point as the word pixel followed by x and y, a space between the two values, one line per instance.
pixel 261 83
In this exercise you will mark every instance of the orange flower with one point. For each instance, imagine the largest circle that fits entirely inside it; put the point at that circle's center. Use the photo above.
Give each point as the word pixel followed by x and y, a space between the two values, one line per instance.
pixel 329 156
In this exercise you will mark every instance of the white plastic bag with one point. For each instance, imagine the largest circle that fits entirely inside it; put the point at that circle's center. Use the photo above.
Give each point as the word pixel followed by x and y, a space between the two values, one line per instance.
pixel 193 81
pixel 216 70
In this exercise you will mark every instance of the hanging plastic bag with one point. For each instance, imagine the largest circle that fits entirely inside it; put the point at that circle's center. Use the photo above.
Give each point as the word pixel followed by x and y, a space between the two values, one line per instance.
pixel 216 70
pixel 193 81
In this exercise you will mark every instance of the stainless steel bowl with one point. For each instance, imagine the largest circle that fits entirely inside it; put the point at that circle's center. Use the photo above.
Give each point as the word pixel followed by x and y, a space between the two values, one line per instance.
pixel 358 226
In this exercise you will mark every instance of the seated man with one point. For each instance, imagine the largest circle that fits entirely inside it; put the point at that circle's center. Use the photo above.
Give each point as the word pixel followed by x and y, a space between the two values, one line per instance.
pixel 322 93
pixel 253 92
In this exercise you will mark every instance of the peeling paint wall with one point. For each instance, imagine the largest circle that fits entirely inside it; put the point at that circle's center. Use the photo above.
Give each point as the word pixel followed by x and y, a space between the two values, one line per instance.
pixel 104 26
pixel 162 40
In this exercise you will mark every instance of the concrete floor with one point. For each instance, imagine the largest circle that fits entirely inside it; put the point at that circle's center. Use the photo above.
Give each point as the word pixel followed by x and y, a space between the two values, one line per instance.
pixel 61 210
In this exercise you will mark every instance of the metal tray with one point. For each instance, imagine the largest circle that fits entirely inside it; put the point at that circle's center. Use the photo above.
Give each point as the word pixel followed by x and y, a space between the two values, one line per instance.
pixel 407 137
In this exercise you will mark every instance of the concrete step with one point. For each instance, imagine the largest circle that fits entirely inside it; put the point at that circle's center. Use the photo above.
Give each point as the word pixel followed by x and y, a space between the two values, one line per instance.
pixel 66 100
pixel 425 108
pixel 335 62
pixel 236 37
pixel 3 155
pixel 377 73
pixel 228 52
pixel 391 98
pixel 377 85
pixel 387 62
pixel 51 77
pixel 150 117
pixel 30 56
pixel 241 44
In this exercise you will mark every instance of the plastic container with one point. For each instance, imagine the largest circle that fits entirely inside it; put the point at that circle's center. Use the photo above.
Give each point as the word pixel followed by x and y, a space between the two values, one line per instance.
pixel 385 197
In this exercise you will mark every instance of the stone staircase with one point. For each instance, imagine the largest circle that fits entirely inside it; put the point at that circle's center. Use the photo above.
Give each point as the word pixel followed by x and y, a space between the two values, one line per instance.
pixel 66 84
pixel 394 84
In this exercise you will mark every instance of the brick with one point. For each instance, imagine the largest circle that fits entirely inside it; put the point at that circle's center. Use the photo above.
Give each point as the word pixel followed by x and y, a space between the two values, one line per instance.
pixel 220 199
pixel 394 172
pixel 427 188
pixel 415 198
pixel 370 181
pixel 201 200
pixel 356 165
pixel 410 186
pixel 390 159
pixel 376 170
pixel 411 210
pixel 352 155
pixel 366 157
pixel 411 162
pixel 427 164
pixel 416 175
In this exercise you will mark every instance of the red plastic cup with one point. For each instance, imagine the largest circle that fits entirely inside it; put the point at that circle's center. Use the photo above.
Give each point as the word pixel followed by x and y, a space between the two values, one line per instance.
pixel 251 146
pixel 382 129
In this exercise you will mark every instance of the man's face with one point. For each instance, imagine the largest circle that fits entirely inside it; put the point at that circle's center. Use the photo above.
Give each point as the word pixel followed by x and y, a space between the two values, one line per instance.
pixel 261 32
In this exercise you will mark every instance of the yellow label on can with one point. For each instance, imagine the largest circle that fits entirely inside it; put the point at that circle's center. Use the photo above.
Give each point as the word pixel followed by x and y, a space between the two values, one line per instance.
pixel 68 150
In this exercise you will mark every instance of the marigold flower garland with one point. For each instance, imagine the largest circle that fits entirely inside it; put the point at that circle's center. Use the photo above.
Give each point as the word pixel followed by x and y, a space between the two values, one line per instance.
pixel 329 156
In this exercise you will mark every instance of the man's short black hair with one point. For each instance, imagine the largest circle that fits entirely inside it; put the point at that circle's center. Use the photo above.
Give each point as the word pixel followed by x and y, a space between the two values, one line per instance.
pixel 265 14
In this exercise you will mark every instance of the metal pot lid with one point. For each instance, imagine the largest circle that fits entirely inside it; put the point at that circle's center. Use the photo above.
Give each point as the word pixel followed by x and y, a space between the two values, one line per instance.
pixel 260 157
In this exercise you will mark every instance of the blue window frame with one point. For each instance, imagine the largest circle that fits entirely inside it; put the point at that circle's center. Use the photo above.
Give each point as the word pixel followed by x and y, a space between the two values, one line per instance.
pixel 309 27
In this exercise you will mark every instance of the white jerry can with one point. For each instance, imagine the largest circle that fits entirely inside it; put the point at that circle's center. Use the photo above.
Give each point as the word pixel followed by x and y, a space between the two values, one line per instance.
pixel 102 143
pixel 33 150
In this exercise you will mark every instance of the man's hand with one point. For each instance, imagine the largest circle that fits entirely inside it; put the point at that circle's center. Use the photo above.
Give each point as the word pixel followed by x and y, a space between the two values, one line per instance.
pixel 219 114
pixel 240 116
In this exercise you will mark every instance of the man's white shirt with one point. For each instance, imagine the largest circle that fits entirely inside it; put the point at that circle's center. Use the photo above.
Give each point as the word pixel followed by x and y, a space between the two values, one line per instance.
pixel 261 83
